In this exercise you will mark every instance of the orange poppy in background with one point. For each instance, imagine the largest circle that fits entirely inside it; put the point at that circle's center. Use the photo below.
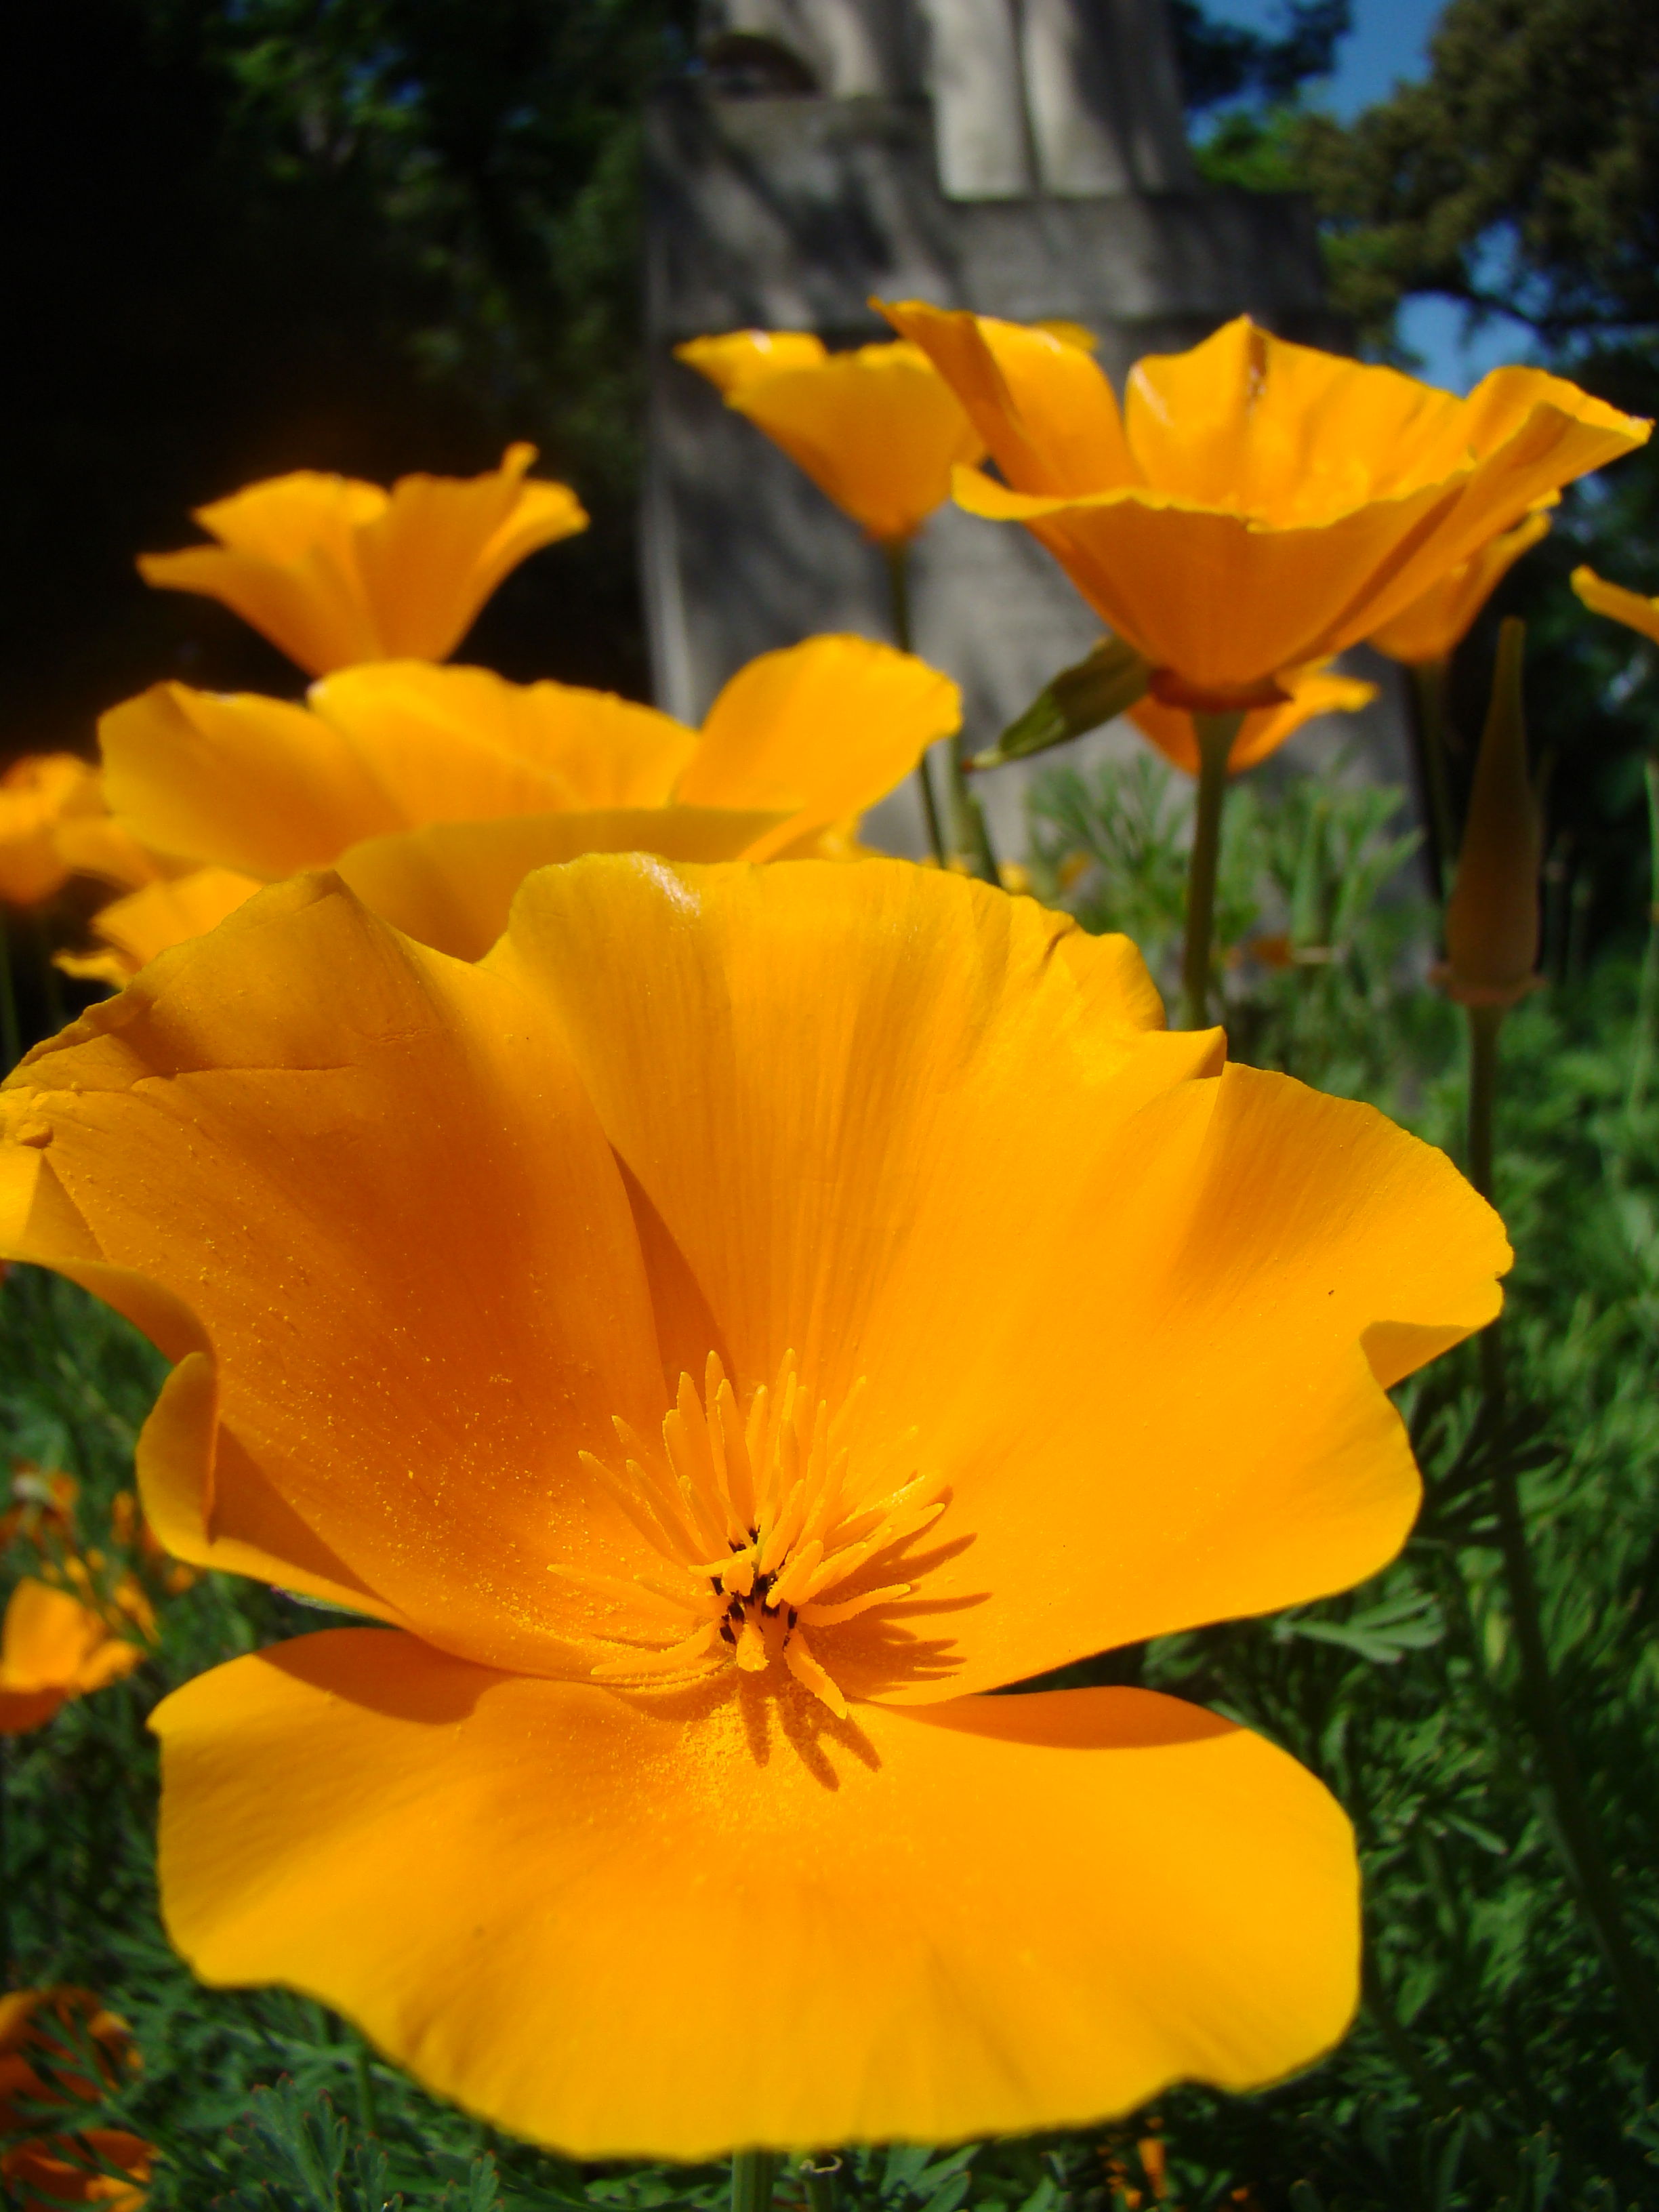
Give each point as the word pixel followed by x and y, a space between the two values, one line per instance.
pixel 54 2029
pixel 52 1648
pixel 1619 604
pixel 703 1482
pixel 1431 627
pixel 877 429
pixel 436 790
pixel 1255 505
pixel 1264 729
pixel 334 571
pixel 134 929
pixel 54 824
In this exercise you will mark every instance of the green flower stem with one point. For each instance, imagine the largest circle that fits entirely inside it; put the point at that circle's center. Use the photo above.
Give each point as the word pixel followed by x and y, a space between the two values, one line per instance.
pixel 11 1034
pixel 361 2066
pixel 818 2177
pixel 1429 728
pixel 753 2175
pixel 1574 1825
pixel 1647 994
pixel 970 840
pixel 1216 734
pixel 897 551
pixel 51 989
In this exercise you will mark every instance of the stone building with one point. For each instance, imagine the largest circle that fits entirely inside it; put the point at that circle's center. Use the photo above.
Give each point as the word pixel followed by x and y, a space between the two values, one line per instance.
pixel 1024 157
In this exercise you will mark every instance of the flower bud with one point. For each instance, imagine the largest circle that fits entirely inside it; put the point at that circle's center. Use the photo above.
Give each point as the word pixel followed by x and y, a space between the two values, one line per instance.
pixel 1107 682
pixel 1491 918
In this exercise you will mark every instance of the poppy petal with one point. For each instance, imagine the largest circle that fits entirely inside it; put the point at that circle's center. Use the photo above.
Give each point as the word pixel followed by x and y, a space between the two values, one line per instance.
pixel 1042 406
pixel 877 430
pixel 451 886
pixel 287 563
pixel 434 554
pixel 458 744
pixel 567 1909
pixel 819 731
pixel 369 1178
pixel 239 781
pixel 1137 1353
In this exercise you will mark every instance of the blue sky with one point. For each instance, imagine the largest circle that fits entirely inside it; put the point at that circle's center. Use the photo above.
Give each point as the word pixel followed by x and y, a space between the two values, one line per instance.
pixel 1389 44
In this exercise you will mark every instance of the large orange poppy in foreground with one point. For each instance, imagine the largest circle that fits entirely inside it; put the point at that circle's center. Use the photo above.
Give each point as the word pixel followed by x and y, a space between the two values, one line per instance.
pixel 747 1317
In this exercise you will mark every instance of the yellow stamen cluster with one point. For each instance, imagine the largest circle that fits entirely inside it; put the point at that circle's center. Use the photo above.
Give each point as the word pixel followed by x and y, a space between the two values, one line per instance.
pixel 761 1520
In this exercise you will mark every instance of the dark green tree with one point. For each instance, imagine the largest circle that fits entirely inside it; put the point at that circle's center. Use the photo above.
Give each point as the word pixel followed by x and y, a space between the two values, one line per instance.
pixel 1520 179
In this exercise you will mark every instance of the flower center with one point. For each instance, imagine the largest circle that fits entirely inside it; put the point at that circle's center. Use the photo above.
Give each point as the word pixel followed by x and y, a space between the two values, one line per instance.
pixel 767 1525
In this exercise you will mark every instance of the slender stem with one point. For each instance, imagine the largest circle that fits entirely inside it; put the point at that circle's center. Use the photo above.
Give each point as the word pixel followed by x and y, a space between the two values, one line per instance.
pixel 1484 1022
pixel 51 989
pixel 1574 1826
pixel 930 811
pixel 1583 898
pixel 753 2174
pixel 11 1034
pixel 361 2065
pixel 970 840
pixel 1647 989
pixel 896 551
pixel 1216 734
pixel 1429 728
pixel 819 2174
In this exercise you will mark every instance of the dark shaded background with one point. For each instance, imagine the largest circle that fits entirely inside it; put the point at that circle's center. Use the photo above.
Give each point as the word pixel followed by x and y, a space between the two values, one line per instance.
pixel 243 238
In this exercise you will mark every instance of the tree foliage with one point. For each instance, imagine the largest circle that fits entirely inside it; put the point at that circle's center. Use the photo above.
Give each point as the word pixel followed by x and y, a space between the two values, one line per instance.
pixel 1221 61
pixel 1521 176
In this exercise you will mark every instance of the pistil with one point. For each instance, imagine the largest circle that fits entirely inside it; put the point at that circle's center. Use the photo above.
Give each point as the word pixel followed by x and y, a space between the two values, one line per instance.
pixel 765 1522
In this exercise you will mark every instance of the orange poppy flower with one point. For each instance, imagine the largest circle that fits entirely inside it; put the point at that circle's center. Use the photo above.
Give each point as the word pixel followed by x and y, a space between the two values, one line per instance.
pixel 636 1370
pixel 134 929
pixel 877 429
pixel 57 2027
pixel 1264 729
pixel 1256 505
pixel 1432 627
pixel 334 571
pixel 1619 604
pixel 41 2175
pixel 436 790
pixel 36 794
pixel 52 1648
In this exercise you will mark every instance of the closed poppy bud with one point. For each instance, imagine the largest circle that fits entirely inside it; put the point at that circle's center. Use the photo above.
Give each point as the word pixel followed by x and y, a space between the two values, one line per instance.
pixel 1492 920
